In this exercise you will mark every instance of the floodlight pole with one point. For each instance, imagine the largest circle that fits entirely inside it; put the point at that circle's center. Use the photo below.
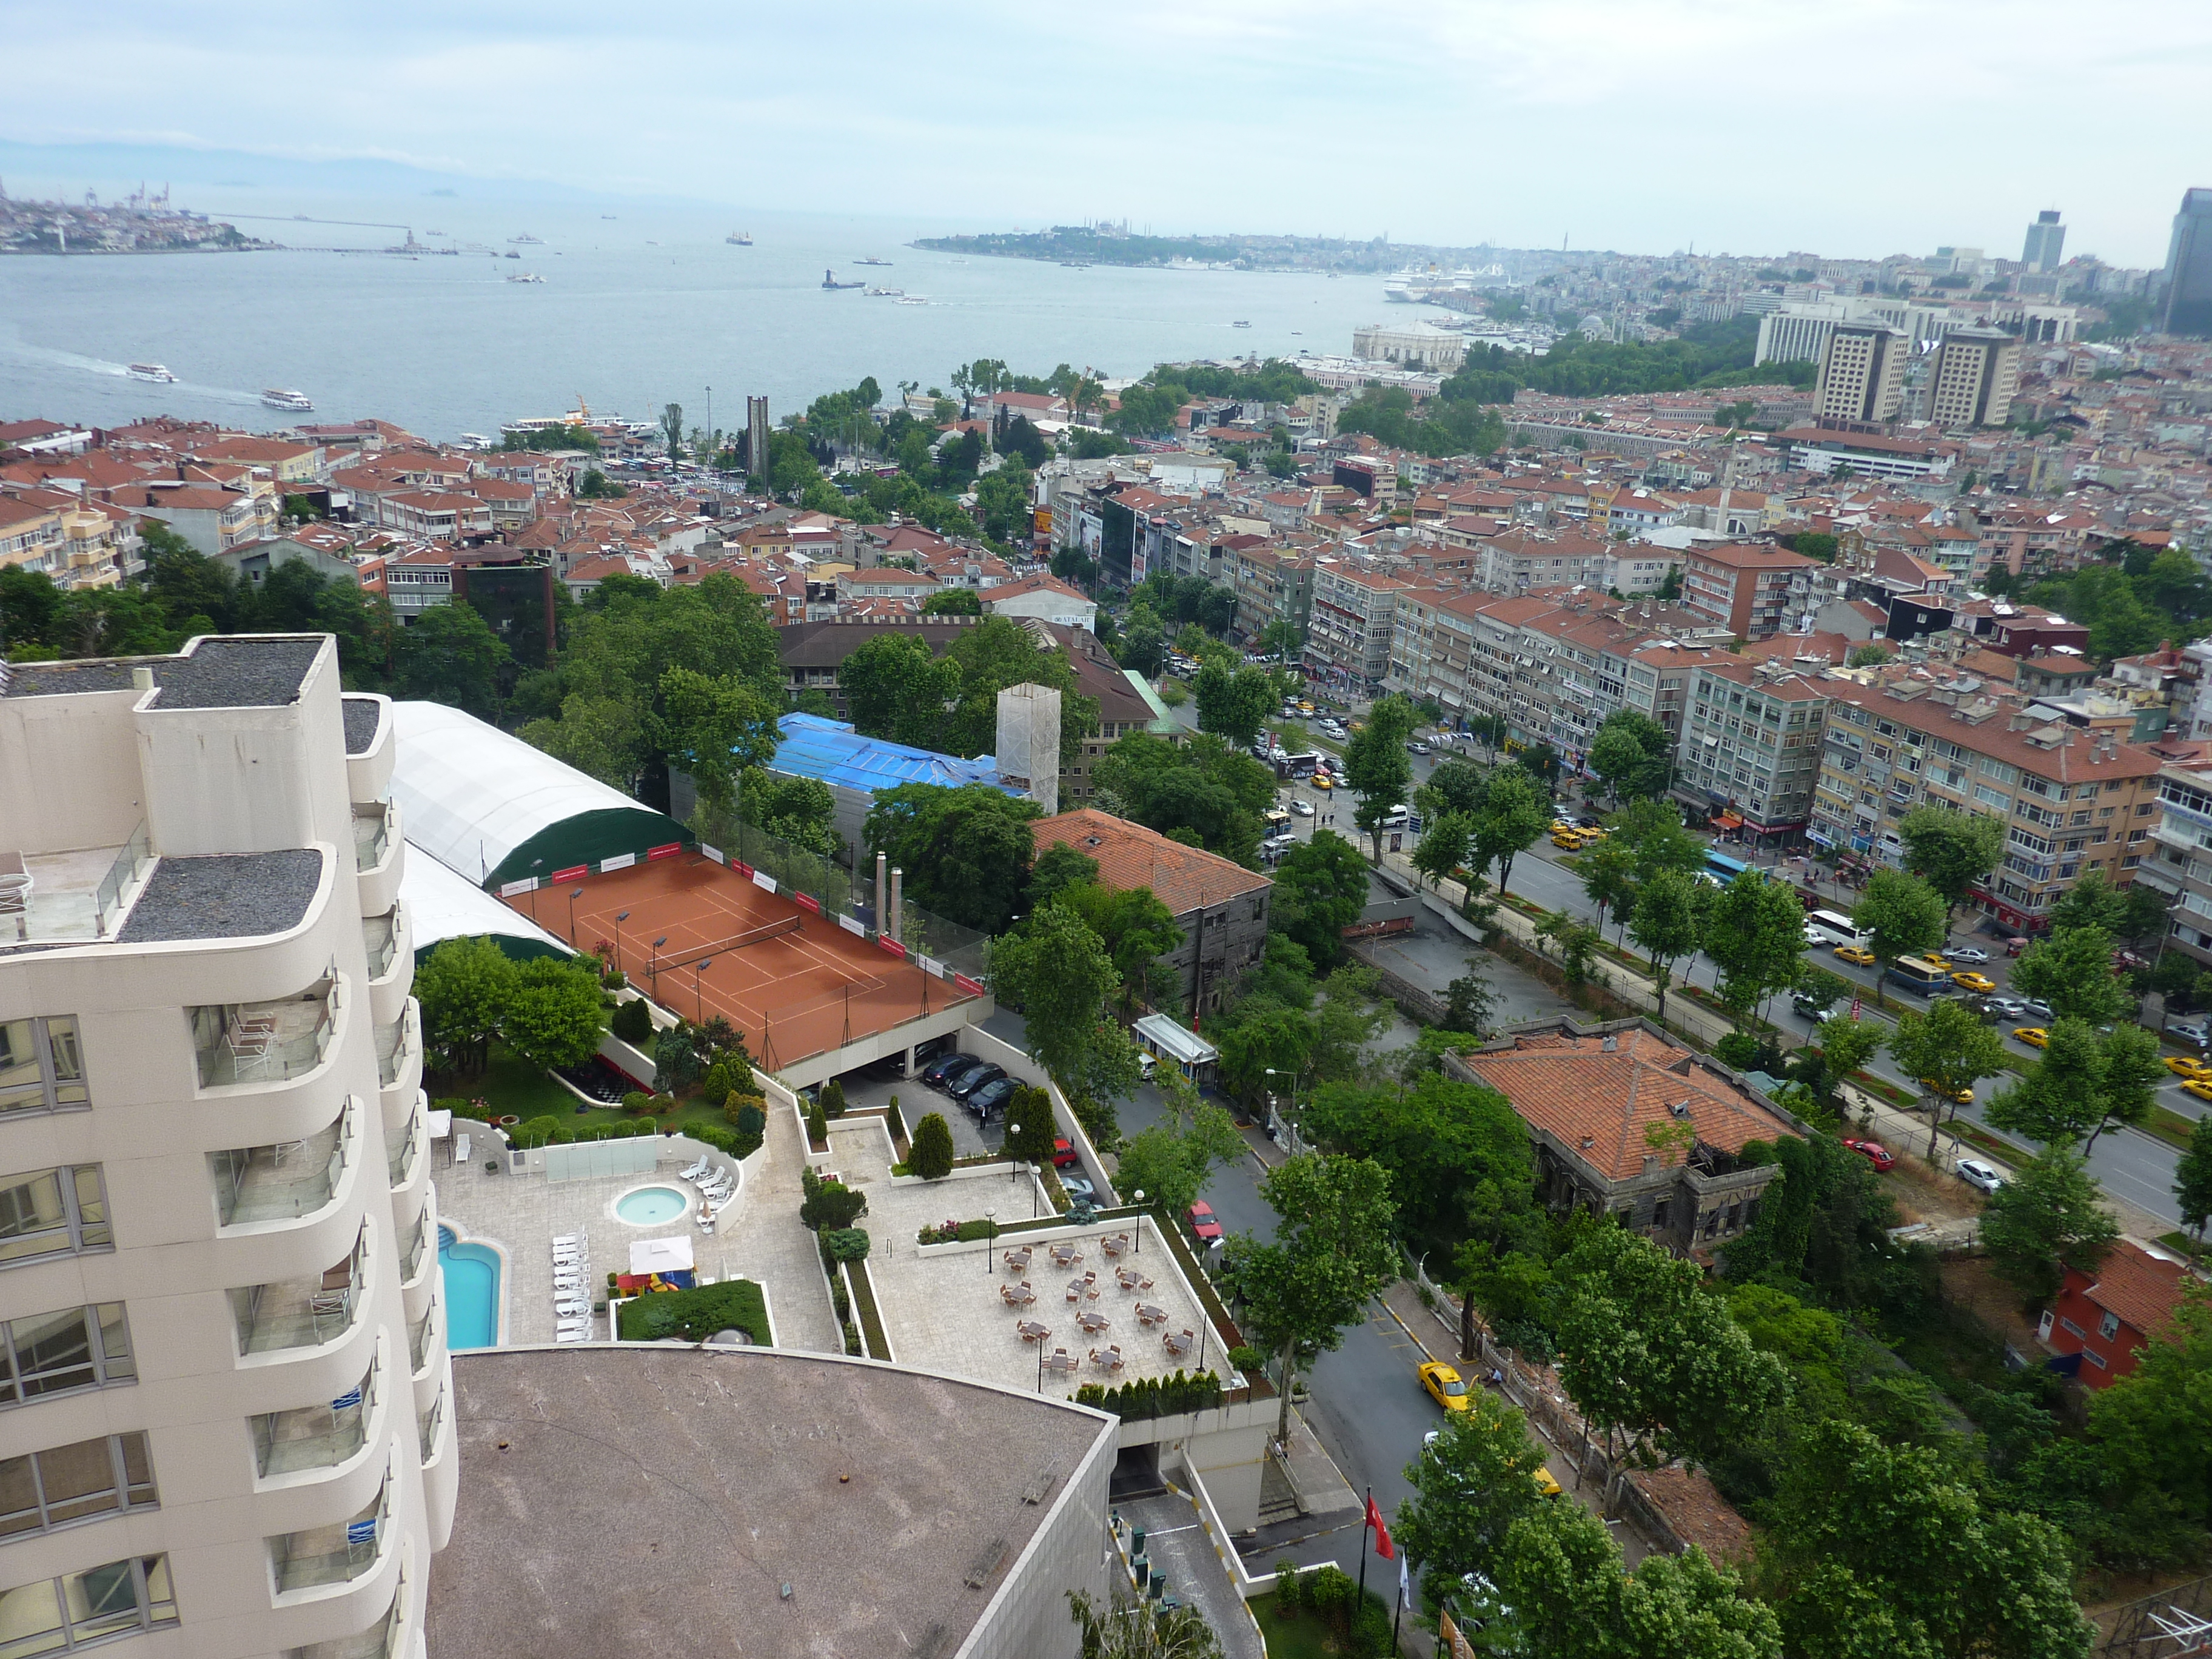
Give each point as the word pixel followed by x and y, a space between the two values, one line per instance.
pixel 620 916
pixel 573 895
pixel 698 995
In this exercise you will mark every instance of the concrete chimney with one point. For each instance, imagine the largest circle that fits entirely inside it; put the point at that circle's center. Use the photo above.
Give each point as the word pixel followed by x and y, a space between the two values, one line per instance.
pixel 898 906
pixel 883 862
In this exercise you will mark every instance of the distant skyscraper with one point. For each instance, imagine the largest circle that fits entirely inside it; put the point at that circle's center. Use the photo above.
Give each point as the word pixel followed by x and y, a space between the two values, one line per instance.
pixel 2188 308
pixel 1861 372
pixel 1976 372
pixel 2047 242
pixel 756 437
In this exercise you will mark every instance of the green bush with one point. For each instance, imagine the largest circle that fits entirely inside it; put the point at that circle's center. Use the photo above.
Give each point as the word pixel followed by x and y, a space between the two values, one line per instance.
pixel 616 980
pixel 828 1205
pixel 846 1244
pixel 722 1079
pixel 713 1134
pixel 637 1101
pixel 833 1098
pixel 1289 1588
pixel 817 1126
pixel 1329 1594
pixel 1248 1359
pixel 959 1232
pixel 535 1131
pixel 746 1116
pixel 632 1023
pixel 893 1122
pixel 675 1060
pixel 932 1158
pixel 1738 1050
pixel 697 1315
pixel 1155 1396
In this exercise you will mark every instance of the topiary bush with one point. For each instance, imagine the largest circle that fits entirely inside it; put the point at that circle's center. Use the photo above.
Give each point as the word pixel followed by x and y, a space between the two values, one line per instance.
pixel 817 1126
pixel 637 1101
pixel 746 1115
pixel 893 1122
pixel 675 1060
pixel 535 1131
pixel 931 1156
pixel 632 1023
pixel 1248 1359
pixel 1289 1588
pixel 833 1098
pixel 1155 1396
pixel 846 1244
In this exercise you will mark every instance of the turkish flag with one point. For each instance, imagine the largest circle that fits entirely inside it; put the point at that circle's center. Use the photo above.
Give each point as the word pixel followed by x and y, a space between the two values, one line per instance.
pixel 1383 1547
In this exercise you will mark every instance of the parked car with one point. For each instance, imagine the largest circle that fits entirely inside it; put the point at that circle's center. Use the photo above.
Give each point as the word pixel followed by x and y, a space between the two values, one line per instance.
pixel 1967 953
pixel 944 1066
pixel 1444 1385
pixel 2003 1007
pixel 2033 1036
pixel 992 1097
pixel 1063 1154
pixel 971 1080
pixel 2037 1006
pixel 1077 1188
pixel 1302 807
pixel 1857 955
pixel 1874 1153
pixel 1982 1177
pixel 1417 747
pixel 1203 1224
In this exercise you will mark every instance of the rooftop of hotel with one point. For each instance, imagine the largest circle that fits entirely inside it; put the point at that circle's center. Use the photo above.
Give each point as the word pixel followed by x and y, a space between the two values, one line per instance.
pixel 213 671
pixel 664 1500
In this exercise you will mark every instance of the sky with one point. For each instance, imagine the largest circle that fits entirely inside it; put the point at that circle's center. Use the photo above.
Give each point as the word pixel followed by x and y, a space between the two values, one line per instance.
pixel 1850 128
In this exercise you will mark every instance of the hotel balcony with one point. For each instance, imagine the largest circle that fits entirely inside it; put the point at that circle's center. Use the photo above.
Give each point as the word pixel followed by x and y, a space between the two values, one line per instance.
pixel 334 1554
pixel 379 854
pixel 302 1313
pixel 65 897
pixel 389 944
pixel 241 1042
pixel 318 1436
pixel 399 1061
pixel 287 1179
pixel 381 1640
pixel 402 1149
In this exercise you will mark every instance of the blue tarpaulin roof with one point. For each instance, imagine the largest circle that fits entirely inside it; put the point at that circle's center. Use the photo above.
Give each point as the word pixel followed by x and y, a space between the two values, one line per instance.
pixel 834 752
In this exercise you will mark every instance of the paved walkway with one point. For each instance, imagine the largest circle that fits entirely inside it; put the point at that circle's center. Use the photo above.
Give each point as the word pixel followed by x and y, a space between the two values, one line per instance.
pixel 769 1245
pixel 1178 1544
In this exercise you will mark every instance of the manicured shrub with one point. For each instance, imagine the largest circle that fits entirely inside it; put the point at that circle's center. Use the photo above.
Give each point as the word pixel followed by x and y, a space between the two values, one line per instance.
pixel 830 1205
pixel 1738 1050
pixel 1248 1359
pixel 746 1115
pixel 893 1122
pixel 535 1131
pixel 615 980
pixel 932 1158
pixel 833 1098
pixel 1289 1588
pixel 721 1080
pixel 637 1101
pixel 697 1313
pixel 846 1244
pixel 1330 1594
pixel 674 1061
pixel 632 1023
pixel 817 1126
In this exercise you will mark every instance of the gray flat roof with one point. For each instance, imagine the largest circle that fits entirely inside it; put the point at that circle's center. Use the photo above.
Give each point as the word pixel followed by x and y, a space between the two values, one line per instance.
pixel 655 1499
pixel 362 716
pixel 222 672
pixel 223 896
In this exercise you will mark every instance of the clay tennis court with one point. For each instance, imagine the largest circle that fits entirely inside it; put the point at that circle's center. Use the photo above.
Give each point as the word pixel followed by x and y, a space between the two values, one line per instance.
pixel 794 982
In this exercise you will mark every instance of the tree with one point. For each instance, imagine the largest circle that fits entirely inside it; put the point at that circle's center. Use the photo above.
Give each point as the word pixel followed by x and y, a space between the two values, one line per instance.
pixel 1607 873
pixel 1847 1045
pixel 1444 847
pixel 552 1013
pixel 1468 1001
pixel 1233 701
pixel 896 687
pixel 1133 924
pixel 1948 1050
pixel 1470 1485
pixel 1057 868
pixel 2133 1072
pixel 1265 1052
pixel 1057 972
pixel 2049 1213
pixel 2152 1428
pixel 929 1153
pixel 463 986
pixel 1665 924
pixel 447 654
pixel 800 811
pixel 1142 1630
pixel 1515 810
pixel 1171 1161
pixel 966 852
pixel 1376 767
pixel 2060 1096
pixel 952 602
pixel 1887 1549
pixel 1458 1156
pixel 671 427
pixel 1455 786
pixel 2071 969
pixel 1320 888
pixel 1331 1252
pixel 1755 932
pixel 718 726
pixel 1904 915
pixel 1951 850
pixel 1282 639
pixel 2192 1179
pixel 1633 754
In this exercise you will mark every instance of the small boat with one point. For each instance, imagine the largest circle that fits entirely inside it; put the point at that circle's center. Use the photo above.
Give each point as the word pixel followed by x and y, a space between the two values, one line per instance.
pixel 277 398
pixel 740 238
pixel 524 276
pixel 830 281
pixel 884 293
pixel 434 232
pixel 1240 325
pixel 512 254
pixel 872 260
pixel 527 240
pixel 912 300
pixel 150 372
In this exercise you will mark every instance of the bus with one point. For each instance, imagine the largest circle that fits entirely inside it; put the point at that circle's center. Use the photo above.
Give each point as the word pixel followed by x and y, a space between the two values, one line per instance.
pixel 1832 927
pixel 1921 976
pixel 1724 869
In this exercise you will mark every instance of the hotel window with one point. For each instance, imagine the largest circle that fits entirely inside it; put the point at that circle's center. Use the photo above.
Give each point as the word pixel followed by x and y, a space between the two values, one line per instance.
pixel 65 1485
pixel 51 1353
pixel 52 1212
pixel 41 1066
pixel 60 1615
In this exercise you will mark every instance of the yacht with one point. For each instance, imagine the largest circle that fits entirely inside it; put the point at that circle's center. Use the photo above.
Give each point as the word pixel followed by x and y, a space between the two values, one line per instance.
pixel 512 254
pixel 872 260
pixel 524 276
pixel 884 293
pixel 1240 325
pixel 150 372
pixel 527 240
pixel 740 238
pixel 912 300
pixel 277 398
pixel 477 440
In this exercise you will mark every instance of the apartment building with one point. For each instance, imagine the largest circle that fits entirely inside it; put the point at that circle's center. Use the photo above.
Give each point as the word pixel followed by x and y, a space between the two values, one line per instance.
pixel 2179 861
pixel 2073 800
pixel 1521 559
pixel 1348 629
pixel 226 1383
pixel 1749 753
pixel 1976 372
pixel 1862 374
pixel 1750 588
pixel 213 519
pixel 1272 584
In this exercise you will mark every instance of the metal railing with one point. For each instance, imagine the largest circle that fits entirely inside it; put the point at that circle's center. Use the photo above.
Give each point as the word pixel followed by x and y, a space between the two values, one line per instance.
pixel 418 1340
pixel 300 1313
pixel 135 858
pixel 284 1181
pixel 248 1042
pixel 400 1157
pixel 380 935
pixel 370 850
pixel 429 1424
pixel 410 1261
pixel 334 1554
pixel 391 1050
pixel 319 1436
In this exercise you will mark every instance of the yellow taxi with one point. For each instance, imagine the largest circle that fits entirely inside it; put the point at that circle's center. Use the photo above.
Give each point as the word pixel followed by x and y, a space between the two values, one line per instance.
pixel 1444 1385
pixel 1857 955
pixel 1546 1485
pixel 1594 832
pixel 1305 707
pixel 1970 981
pixel 1562 827
pixel 2199 1086
pixel 1568 841
pixel 2033 1036
pixel 1322 780
pixel 2188 1066
pixel 1962 1096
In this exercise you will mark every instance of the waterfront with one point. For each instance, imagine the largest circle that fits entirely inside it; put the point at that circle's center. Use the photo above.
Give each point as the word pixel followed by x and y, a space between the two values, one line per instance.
pixel 650 306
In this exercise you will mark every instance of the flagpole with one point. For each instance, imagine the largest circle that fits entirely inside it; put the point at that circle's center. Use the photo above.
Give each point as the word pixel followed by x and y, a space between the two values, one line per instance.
pixel 1405 1590
pixel 1366 1521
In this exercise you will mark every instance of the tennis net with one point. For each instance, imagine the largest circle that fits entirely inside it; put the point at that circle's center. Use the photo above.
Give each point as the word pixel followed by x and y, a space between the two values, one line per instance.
pixel 790 924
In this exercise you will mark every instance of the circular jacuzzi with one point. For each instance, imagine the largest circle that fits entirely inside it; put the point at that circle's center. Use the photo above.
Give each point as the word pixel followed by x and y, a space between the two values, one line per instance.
pixel 648 1207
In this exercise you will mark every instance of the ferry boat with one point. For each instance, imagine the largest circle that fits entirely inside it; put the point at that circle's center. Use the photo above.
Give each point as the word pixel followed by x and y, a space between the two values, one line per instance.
pixel 527 240
pixel 150 372
pixel 872 260
pixel 524 276
pixel 830 280
pixel 277 398
pixel 740 238
pixel 1240 325
pixel 884 293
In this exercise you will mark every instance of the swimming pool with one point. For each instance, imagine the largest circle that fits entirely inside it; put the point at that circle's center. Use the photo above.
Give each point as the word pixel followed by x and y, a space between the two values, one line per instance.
pixel 471 1272
pixel 648 1207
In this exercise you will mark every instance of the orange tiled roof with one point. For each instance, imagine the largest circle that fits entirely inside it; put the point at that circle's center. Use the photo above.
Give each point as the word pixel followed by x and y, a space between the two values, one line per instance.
pixel 1129 855
pixel 2143 1289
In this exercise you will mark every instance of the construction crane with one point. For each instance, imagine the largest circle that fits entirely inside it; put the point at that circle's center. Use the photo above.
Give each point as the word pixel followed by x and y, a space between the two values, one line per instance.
pixel 584 409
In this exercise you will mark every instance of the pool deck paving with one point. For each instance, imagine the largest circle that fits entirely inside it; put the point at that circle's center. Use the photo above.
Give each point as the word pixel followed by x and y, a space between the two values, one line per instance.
pixel 760 1237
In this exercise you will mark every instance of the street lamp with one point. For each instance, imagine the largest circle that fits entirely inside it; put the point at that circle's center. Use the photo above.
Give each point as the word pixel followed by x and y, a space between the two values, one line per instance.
pixel 573 897
pixel 991 1248
pixel 652 968
pixel 1013 1142
pixel 620 916
pixel 535 865
pixel 698 995
pixel 1139 1196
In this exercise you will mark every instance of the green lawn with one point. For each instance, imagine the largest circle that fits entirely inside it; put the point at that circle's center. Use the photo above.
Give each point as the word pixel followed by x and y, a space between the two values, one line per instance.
pixel 511 1084
pixel 1298 1636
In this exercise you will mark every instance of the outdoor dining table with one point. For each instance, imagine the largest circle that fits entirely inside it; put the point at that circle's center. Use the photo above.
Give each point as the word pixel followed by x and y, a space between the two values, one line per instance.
pixel 1065 1256
pixel 1115 1245
pixel 1080 1288
pixel 1149 1314
pixel 1107 1359
pixel 1018 1260
pixel 1181 1345
pixel 1032 1331
pixel 1092 1323
pixel 1060 1360
pixel 1017 1295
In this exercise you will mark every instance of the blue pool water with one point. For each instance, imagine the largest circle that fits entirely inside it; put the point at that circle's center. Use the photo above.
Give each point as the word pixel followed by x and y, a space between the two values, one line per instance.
pixel 471 1272
pixel 650 1206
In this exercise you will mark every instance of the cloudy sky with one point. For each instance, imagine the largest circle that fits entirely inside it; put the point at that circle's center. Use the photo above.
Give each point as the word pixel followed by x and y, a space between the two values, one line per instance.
pixel 1852 127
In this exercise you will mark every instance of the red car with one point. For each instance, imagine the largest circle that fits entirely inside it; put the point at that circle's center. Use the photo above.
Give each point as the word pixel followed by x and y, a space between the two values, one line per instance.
pixel 1063 1154
pixel 1203 1225
pixel 1874 1153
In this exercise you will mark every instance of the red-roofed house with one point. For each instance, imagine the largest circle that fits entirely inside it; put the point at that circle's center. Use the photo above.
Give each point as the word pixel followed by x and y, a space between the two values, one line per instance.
pixel 1591 1097
pixel 1042 596
pixel 2108 1314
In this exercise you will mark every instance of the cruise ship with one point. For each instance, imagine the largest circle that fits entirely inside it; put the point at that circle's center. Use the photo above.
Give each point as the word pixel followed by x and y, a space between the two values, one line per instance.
pixel 150 372
pixel 740 238
pixel 278 397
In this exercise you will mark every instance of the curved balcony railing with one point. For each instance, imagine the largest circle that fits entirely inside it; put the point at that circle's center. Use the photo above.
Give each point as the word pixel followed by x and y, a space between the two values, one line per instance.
pixel 334 1554
pixel 302 1312
pixel 286 1179
pixel 265 1041
pixel 318 1436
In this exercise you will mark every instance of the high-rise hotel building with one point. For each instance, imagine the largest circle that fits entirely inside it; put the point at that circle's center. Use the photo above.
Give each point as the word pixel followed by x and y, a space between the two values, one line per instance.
pixel 225 1419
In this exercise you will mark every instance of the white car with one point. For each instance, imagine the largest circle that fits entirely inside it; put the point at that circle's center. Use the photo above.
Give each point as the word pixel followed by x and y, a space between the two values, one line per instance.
pixel 1982 1177
pixel 1967 954
pixel 1302 807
